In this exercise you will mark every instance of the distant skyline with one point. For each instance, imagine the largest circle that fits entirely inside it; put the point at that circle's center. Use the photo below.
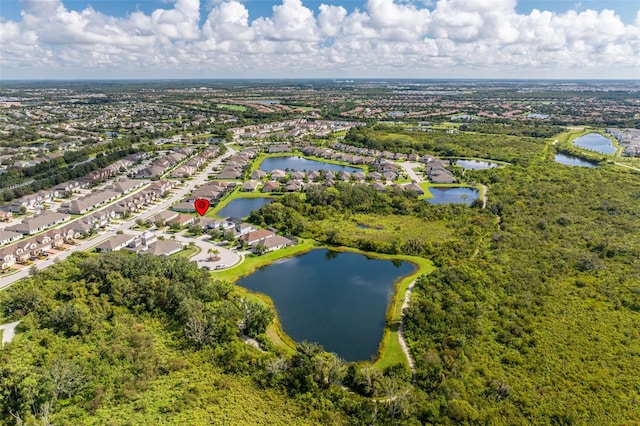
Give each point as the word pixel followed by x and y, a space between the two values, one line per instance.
pixel 218 39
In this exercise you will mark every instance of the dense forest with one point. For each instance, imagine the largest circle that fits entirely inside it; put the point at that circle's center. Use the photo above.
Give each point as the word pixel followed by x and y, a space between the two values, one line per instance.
pixel 532 316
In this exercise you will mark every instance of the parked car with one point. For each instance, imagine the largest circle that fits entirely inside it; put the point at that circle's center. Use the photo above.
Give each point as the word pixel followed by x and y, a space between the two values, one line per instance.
pixel 221 266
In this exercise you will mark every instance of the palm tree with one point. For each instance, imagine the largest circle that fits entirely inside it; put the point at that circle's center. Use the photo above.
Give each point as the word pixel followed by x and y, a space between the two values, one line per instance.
pixel 213 254
pixel 463 197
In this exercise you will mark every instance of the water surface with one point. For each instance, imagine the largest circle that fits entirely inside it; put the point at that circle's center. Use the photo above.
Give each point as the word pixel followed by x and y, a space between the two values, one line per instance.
pixel 570 160
pixel 595 142
pixel 294 163
pixel 475 164
pixel 242 207
pixel 453 195
pixel 336 299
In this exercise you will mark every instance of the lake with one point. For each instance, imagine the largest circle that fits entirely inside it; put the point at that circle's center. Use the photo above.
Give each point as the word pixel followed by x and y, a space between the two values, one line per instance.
pixel 300 164
pixel 336 299
pixel 475 164
pixel 453 195
pixel 242 207
pixel 595 142
pixel 570 160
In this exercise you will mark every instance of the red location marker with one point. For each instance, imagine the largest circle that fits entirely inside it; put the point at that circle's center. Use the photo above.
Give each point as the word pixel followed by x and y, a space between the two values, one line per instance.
pixel 201 206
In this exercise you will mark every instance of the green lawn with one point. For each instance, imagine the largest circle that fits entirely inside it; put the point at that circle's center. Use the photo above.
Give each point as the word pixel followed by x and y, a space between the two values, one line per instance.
pixel 188 252
pixel 250 264
pixel 232 107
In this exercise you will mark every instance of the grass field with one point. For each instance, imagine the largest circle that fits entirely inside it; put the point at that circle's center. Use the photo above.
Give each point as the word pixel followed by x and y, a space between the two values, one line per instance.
pixel 232 107
pixel 388 228
pixel 188 252
pixel 390 351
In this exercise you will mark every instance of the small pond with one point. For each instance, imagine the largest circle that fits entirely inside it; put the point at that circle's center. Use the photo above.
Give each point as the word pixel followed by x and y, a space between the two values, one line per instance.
pixel 336 299
pixel 570 160
pixel 595 142
pixel 453 195
pixel 242 207
pixel 476 164
pixel 294 163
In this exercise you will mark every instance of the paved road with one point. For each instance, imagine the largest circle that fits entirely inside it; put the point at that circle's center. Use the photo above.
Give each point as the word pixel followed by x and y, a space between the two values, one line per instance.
pixel 408 167
pixel 177 195
pixel 8 331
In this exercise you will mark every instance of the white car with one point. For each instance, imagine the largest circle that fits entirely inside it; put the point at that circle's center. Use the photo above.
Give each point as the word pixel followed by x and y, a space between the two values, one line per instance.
pixel 221 266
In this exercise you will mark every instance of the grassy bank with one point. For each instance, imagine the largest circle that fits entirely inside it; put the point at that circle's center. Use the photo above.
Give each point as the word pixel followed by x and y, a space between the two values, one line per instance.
pixel 389 352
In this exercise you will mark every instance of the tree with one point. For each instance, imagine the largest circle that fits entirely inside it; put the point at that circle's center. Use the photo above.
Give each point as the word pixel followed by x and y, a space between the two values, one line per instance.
pixel 255 317
pixel 213 254
pixel 260 249
pixel 196 230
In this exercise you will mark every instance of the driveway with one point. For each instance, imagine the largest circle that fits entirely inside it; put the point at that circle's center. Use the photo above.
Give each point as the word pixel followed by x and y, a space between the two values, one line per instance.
pixel 408 167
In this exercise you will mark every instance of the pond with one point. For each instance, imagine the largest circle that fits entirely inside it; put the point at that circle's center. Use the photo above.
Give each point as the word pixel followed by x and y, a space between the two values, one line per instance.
pixel 453 195
pixel 242 207
pixel 300 164
pixel 595 142
pixel 336 299
pixel 475 164
pixel 570 160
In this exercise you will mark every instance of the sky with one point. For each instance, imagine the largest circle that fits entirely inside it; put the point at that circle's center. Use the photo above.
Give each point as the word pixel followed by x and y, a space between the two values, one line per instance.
pixel 174 39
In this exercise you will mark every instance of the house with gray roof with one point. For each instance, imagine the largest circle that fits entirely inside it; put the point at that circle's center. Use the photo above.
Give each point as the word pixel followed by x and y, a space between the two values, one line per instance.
pixel 39 223
pixel 115 243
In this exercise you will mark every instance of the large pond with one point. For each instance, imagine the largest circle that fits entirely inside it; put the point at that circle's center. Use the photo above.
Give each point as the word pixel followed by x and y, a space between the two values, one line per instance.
pixel 300 163
pixel 570 160
pixel 475 164
pixel 336 299
pixel 454 195
pixel 242 207
pixel 595 142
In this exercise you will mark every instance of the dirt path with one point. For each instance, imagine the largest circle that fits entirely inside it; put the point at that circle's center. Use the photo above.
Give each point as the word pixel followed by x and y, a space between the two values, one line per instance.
pixel 485 191
pixel 628 167
pixel 403 344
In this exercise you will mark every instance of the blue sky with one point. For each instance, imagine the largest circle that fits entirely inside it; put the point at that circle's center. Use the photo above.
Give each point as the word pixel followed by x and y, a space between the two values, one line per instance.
pixel 10 9
pixel 319 38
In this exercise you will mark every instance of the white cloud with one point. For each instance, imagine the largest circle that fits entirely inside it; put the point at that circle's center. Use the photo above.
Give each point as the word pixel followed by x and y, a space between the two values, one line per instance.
pixel 473 38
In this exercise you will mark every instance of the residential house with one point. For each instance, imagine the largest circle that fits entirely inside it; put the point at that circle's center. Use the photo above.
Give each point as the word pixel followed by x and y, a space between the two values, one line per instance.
pixel 257 236
pixel 277 174
pixel 250 186
pixel 182 220
pixel 414 187
pixel 115 243
pixel 164 216
pixel 124 186
pixel 38 223
pixel 258 174
pixel 7 237
pixel 164 248
pixel 91 201
pixel 271 186
pixel 276 242
pixel 184 207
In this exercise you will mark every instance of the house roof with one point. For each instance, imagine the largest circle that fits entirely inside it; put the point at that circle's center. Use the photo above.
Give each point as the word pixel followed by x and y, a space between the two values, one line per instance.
pixel 115 242
pixel 257 235
pixel 164 248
